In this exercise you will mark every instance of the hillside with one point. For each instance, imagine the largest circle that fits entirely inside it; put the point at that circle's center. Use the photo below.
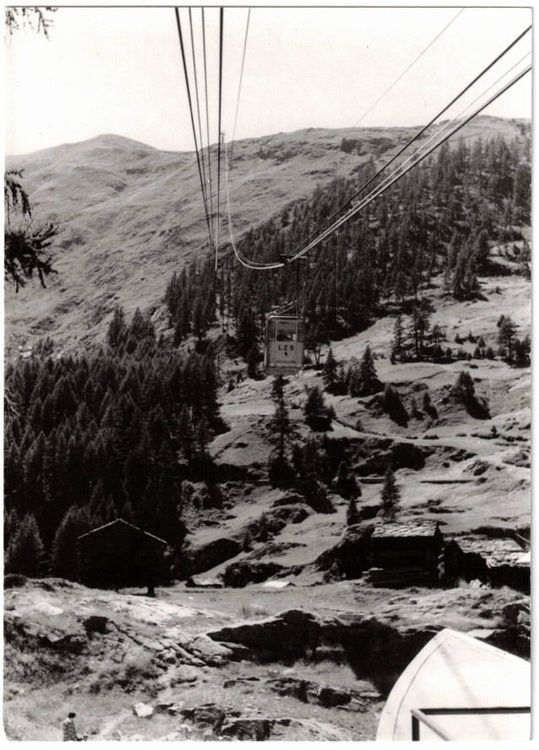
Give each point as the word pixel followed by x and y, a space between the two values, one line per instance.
pixel 278 612
pixel 129 215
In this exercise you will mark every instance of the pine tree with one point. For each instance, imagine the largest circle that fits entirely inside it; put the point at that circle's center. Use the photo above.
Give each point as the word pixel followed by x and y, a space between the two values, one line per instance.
pixel 345 483
pixel 315 410
pixel 281 420
pixel 117 331
pixel 329 375
pixel 397 343
pixel 506 336
pixel 390 497
pixel 364 379
pixel 252 359
pixel 247 334
pixel 65 545
pixel 25 553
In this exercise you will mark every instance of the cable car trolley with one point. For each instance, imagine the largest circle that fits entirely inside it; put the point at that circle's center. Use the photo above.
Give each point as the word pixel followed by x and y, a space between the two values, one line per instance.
pixel 284 345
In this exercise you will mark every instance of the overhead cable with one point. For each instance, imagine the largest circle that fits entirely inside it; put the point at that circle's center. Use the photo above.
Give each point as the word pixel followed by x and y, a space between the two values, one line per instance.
pixel 240 82
pixel 418 135
pixel 197 100
pixel 397 174
pixel 420 157
pixel 409 67
pixel 188 87
pixel 207 109
pixel 221 22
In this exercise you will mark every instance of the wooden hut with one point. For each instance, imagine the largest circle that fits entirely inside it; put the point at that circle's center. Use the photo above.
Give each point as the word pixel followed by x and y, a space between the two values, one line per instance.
pixel 120 554
pixel 499 561
pixel 406 554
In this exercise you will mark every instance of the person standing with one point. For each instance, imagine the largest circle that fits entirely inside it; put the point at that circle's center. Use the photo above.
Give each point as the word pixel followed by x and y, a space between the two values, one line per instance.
pixel 69 729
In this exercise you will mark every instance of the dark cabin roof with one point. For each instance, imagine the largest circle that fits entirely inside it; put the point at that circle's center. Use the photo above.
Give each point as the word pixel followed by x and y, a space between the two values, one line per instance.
pixel 121 521
pixel 409 529
pixel 495 551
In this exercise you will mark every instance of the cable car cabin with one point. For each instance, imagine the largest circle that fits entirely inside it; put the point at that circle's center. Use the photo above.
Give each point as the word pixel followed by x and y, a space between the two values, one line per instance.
pixel 285 336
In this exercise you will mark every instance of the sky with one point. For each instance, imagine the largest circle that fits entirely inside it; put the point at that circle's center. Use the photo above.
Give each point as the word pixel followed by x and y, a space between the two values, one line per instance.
pixel 118 70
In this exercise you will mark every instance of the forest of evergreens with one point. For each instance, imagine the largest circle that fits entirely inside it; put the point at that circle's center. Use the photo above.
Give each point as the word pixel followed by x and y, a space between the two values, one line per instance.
pixel 117 431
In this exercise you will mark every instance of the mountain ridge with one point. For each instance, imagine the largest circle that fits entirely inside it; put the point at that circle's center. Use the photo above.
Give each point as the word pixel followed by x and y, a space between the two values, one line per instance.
pixel 129 214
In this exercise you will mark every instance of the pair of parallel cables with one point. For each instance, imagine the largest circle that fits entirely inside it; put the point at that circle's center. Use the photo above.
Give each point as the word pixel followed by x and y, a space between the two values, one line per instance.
pixel 206 184
pixel 205 170
pixel 439 137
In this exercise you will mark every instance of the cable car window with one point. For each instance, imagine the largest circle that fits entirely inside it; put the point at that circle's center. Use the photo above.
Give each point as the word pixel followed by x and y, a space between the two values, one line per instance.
pixel 286 330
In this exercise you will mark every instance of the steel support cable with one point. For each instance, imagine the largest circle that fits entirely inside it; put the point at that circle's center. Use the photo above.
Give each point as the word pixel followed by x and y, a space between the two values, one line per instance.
pixel 188 87
pixel 197 100
pixel 253 265
pixel 419 158
pixel 409 67
pixel 448 124
pixel 221 21
pixel 419 133
pixel 336 225
pixel 240 82
pixel 207 108
pixel 398 173
pixel 376 191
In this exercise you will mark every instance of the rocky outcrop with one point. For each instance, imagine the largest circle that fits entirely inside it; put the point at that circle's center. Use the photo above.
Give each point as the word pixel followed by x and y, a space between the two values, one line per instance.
pixel 329 696
pixel 207 556
pixel 224 722
pixel 242 573
pixel 374 650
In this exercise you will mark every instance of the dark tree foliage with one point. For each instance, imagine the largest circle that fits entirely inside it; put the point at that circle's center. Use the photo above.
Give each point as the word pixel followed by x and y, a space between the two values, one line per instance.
pixel 317 415
pixel 345 482
pixel 441 218
pixel 463 391
pixel 25 552
pixel 107 434
pixel 363 377
pixel 393 405
pixel 35 18
pixel 280 422
pixel 65 562
pixel 26 247
pixel 390 497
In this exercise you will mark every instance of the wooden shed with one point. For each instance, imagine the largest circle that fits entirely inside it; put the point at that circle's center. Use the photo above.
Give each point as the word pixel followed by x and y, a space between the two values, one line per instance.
pixel 498 561
pixel 121 554
pixel 405 554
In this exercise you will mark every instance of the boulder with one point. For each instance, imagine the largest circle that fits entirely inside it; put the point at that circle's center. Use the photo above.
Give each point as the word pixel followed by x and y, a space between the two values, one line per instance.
pixel 208 650
pixel 241 573
pixel 14 580
pixel 143 710
pixel 208 715
pixel 257 729
pixel 208 556
pixel 183 673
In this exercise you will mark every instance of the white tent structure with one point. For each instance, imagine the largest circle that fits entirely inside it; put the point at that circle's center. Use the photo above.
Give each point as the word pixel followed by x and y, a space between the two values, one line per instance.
pixel 458 688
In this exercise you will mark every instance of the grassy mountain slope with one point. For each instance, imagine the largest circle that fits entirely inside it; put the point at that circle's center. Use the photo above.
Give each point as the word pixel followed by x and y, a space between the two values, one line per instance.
pixel 130 214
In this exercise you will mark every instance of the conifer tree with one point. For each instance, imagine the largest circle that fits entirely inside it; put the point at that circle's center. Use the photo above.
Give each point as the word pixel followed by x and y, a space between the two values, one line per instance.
pixel 25 553
pixel 345 482
pixel 329 375
pixel 364 379
pixel 117 330
pixel 390 497
pixel 397 342
pixel 65 545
